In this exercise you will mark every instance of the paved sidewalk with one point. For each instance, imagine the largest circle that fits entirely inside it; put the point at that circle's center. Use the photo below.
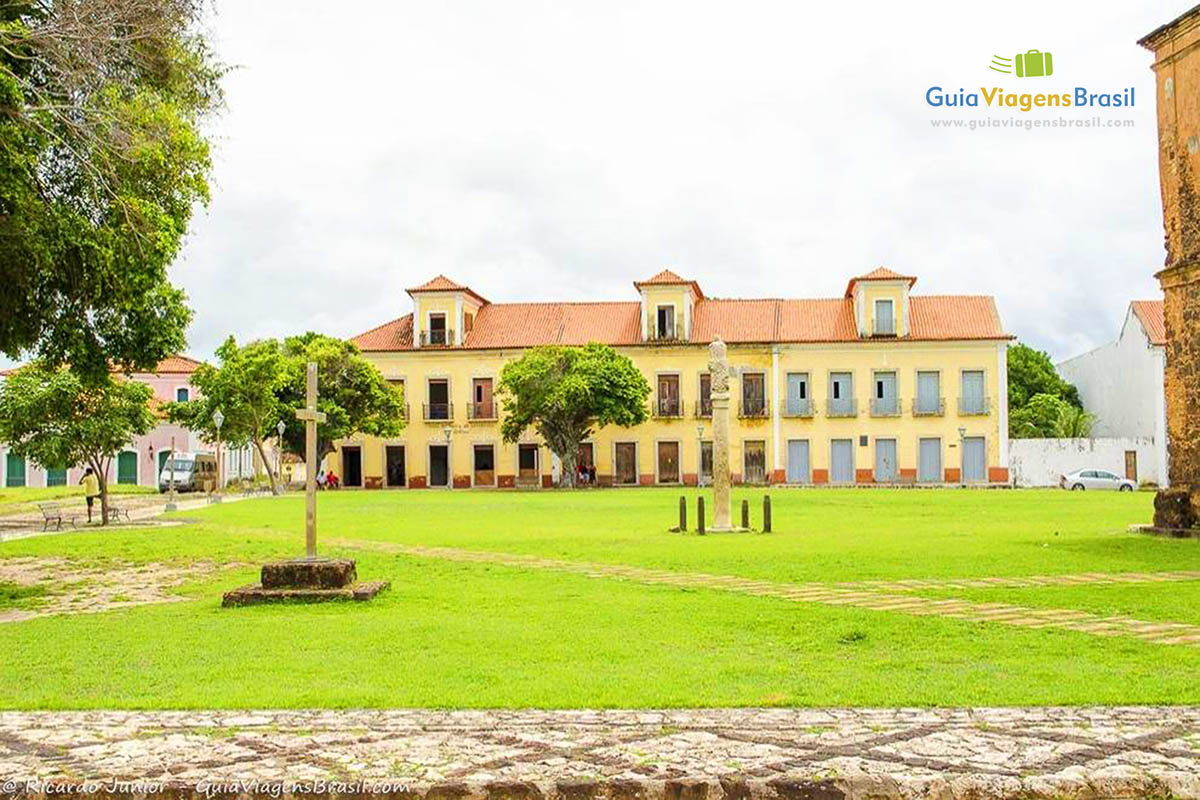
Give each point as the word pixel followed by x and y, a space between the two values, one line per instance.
pixel 145 511
pixel 729 754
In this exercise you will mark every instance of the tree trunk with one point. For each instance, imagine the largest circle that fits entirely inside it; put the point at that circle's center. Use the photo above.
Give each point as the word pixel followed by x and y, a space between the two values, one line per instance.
pixel 258 445
pixel 102 481
pixel 569 467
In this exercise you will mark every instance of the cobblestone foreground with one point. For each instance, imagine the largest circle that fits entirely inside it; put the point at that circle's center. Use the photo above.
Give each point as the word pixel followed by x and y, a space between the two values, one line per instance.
pixel 721 754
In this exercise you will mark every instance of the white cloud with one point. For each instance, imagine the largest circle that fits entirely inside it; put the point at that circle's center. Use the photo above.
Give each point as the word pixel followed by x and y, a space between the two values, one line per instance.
pixel 540 150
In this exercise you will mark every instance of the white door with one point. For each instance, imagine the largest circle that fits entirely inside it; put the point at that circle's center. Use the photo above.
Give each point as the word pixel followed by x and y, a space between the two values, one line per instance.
pixel 841 461
pixel 797 464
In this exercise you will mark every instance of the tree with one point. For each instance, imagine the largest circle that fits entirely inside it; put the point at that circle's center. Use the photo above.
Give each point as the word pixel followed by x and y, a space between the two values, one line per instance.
pixel 1031 372
pixel 1037 419
pixel 101 165
pixel 352 393
pixel 1074 423
pixel 245 388
pixel 53 417
pixel 564 393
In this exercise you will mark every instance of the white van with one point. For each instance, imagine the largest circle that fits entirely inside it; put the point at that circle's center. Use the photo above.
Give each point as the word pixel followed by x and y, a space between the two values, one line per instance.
pixel 193 472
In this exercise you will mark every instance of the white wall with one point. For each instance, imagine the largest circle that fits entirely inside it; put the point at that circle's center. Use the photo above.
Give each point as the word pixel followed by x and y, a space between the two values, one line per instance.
pixel 1039 462
pixel 1122 384
pixel 1117 382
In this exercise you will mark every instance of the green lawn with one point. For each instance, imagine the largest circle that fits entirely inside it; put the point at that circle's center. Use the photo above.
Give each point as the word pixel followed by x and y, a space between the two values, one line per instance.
pixel 479 635
pixel 21 500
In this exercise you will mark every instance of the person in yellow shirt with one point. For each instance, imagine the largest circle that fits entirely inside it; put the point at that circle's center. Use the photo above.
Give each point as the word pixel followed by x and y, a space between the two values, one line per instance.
pixel 91 489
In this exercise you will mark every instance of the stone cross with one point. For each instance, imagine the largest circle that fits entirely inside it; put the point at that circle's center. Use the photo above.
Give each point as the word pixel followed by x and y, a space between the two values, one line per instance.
pixel 718 368
pixel 311 418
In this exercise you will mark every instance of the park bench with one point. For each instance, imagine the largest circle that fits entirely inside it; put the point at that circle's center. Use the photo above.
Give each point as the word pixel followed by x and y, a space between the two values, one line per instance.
pixel 115 511
pixel 53 512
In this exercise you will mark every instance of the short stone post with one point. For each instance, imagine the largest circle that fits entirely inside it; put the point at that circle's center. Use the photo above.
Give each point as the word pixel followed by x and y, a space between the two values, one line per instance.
pixel 746 514
pixel 700 515
pixel 682 513
pixel 766 513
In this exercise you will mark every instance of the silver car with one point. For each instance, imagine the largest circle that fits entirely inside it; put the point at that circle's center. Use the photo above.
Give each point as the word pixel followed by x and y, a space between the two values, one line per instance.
pixel 1095 479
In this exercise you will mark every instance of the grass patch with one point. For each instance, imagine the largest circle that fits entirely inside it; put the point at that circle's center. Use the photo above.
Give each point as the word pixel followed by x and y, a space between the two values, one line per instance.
pixel 478 635
pixel 15 595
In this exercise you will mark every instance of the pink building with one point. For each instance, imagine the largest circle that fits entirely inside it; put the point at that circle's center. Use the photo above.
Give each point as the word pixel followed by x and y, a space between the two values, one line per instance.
pixel 141 462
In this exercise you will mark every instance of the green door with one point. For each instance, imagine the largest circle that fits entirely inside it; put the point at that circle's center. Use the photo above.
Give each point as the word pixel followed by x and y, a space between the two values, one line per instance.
pixel 56 476
pixel 14 471
pixel 127 467
pixel 162 461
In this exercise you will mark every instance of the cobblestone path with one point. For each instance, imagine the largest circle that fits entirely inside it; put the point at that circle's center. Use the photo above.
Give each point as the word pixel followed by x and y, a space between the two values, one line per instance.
pixel 869 595
pixel 705 754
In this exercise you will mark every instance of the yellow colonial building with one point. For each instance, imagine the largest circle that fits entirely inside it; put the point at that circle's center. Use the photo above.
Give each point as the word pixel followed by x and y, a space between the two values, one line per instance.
pixel 878 386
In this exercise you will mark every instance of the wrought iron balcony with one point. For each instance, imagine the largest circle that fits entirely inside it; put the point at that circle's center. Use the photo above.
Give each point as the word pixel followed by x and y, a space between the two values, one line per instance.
pixel 482 412
pixel 841 407
pixel 929 407
pixel 885 406
pixel 798 408
pixel 437 411
pixel 668 408
pixel 974 406
pixel 703 408
pixel 669 334
pixel 437 338
pixel 754 409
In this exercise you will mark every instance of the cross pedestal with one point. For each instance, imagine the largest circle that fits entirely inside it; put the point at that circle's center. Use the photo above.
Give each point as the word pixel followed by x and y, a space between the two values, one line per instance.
pixel 310 579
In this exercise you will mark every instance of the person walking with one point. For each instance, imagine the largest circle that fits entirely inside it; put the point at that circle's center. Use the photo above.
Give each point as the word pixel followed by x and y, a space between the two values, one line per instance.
pixel 91 489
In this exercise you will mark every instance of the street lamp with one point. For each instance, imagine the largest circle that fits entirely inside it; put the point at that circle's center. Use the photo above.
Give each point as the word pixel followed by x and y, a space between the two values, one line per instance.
pixel 218 419
pixel 700 454
pixel 279 452
pixel 448 431
pixel 962 456
pixel 171 497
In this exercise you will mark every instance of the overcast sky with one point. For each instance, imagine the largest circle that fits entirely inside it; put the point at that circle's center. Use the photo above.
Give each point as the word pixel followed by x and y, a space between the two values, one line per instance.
pixel 561 150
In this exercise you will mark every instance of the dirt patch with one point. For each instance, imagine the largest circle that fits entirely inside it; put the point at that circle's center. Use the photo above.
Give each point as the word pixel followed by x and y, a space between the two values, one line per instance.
pixel 73 587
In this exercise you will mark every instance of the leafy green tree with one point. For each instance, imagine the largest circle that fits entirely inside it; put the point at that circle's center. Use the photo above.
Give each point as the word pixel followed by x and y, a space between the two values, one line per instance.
pixel 565 393
pixel 1031 372
pixel 245 387
pixel 352 393
pixel 1074 423
pixel 53 417
pixel 101 165
pixel 1037 419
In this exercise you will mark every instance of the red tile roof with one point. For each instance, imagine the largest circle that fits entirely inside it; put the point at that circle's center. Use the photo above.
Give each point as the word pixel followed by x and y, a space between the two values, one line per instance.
pixel 171 365
pixel 176 365
pixel 1150 314
pixel 669 278
pixel 443 284
pixel 879 274
pixel 503 325
pixel 394 335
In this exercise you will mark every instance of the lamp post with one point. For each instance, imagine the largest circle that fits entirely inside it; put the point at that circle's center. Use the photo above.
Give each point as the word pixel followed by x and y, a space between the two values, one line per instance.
pixel 962 456
pixel 700 455
pixel 218 419
pixel 279 453
pixel 171 485
pixel 448 432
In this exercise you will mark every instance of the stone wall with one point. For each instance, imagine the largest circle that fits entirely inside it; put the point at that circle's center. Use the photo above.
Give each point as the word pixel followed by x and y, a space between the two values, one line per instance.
pixel 1176 48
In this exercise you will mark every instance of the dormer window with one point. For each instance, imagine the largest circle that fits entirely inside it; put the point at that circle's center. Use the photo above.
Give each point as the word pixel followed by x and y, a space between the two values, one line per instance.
pixel 437 329
pixel 885 318
pixel 665 323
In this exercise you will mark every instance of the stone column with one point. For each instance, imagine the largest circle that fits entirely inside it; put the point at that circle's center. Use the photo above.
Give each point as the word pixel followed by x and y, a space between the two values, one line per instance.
pixel 722 502
pixel 1177 77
